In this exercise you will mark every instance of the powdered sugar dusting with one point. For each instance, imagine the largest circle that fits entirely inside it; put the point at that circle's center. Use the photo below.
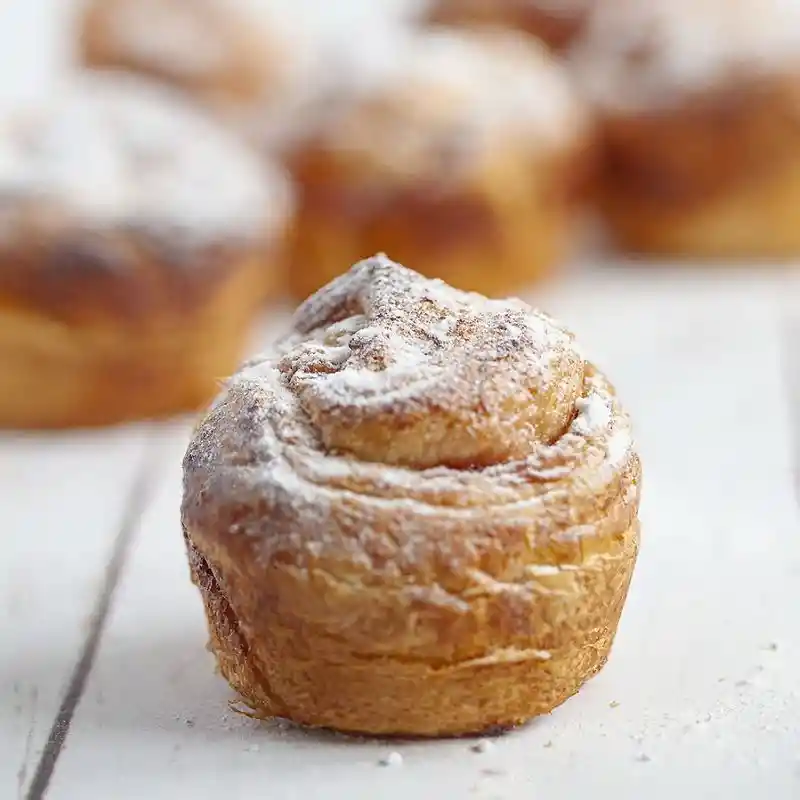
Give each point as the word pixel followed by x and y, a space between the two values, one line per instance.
pixel 593 414
pixel 114 151
pixel 422 337
pixel 636 54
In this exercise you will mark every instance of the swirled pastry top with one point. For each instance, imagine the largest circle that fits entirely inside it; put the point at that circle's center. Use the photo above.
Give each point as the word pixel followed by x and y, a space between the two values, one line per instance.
pixel 112 152
pixel 428 101
pixel 396 402
pixel 640 55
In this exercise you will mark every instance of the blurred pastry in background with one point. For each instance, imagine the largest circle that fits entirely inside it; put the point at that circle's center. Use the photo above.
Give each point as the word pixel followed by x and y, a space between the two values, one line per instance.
pixel 699 107
pixel 136 241
pixel 556 22
pixel 218 51
pixel 459 151
pixel 238 60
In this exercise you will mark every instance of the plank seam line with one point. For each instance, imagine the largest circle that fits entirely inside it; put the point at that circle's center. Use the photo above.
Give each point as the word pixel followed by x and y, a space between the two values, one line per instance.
pixel 790 374
pixel 135 505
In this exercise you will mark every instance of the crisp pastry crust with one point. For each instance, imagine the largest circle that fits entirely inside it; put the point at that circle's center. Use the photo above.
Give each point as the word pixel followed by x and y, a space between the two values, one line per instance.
pixel 699 115
pixel 214 50
pixel 555 22
pixel 417 517
pixel 135 247
pixel 461 152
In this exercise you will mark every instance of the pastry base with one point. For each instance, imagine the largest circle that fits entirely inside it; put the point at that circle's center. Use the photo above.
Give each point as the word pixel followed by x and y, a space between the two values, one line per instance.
pixel 510 227
pixel 759 219
pixel 717 175
pixel 289 670
pixel 324 249
pixel 58 374
pixel 556 30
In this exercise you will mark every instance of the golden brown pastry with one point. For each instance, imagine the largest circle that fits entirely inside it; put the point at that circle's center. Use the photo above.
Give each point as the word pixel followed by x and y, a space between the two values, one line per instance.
pixel 419 516
pixel 458 151
pixel 556 22
pixel 699 106
pixel 214 49
pixel 136 241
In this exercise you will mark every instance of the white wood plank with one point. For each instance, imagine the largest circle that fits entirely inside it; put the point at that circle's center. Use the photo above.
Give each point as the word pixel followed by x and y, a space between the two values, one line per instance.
pixel 61 500
pixel 790 329
pixel 701 696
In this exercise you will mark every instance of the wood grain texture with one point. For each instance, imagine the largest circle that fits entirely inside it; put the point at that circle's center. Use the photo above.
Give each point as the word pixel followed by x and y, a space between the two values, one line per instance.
pixel 135 502
pixel 62 500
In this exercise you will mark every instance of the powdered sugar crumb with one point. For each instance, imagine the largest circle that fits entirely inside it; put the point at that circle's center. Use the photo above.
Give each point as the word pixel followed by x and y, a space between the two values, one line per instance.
pixel 593 414
pixel 393 759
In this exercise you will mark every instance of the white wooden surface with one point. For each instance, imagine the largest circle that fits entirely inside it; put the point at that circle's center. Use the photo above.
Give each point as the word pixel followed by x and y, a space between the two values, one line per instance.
pixel 106 690
pixel 702 695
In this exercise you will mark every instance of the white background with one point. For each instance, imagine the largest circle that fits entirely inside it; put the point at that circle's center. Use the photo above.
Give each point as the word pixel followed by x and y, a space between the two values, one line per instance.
pixel 700 699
